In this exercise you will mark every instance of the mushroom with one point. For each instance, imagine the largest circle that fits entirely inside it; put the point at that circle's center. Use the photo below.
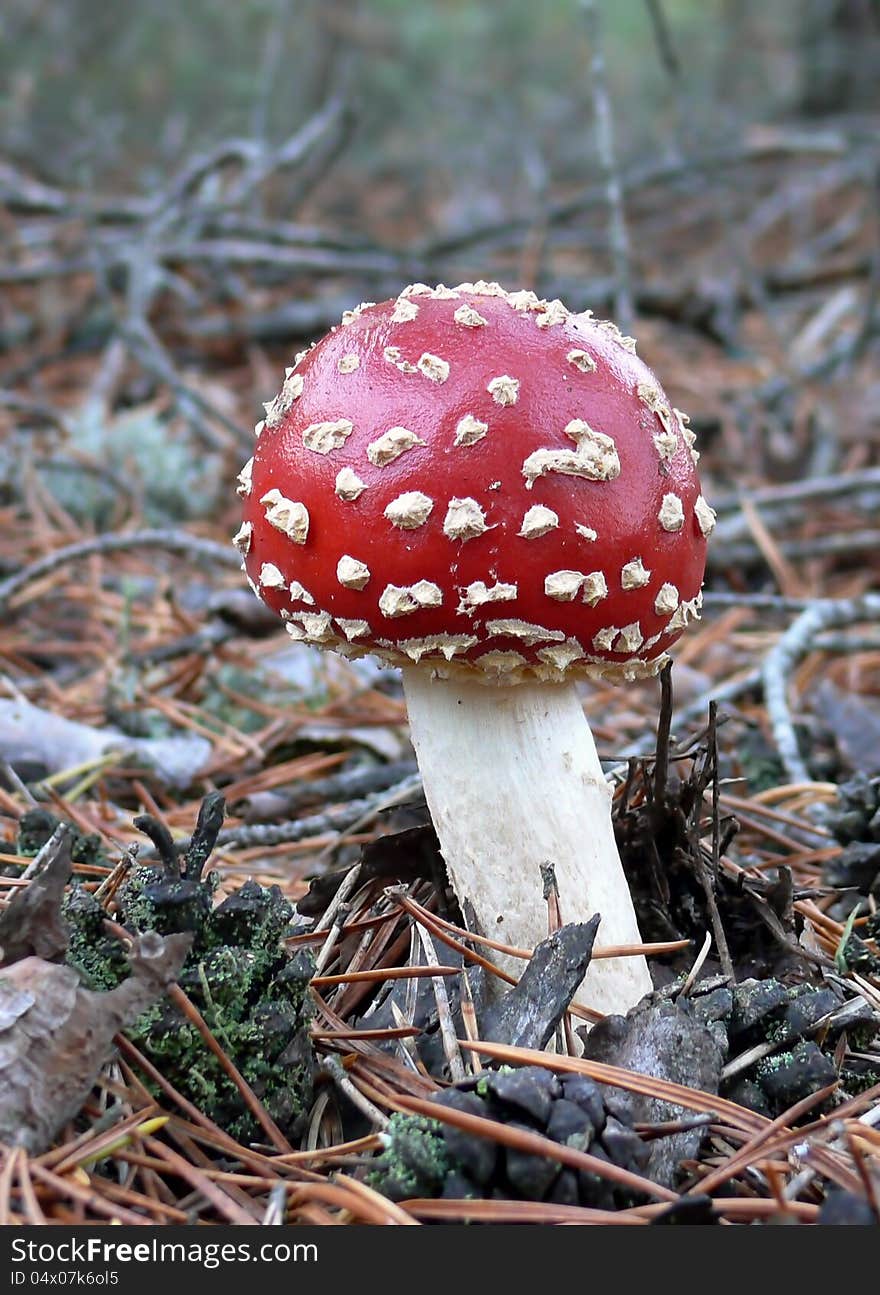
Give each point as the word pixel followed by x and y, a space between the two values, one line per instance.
pixel 494 494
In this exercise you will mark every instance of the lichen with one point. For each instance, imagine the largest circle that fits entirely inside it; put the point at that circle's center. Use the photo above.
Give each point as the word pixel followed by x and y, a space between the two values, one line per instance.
pixel 251 994
pixel 414 1162
pixel 36 826
pixel 98 957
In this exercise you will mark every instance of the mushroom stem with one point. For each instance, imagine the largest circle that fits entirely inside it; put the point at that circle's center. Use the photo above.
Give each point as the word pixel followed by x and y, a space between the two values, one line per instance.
pixel 513 781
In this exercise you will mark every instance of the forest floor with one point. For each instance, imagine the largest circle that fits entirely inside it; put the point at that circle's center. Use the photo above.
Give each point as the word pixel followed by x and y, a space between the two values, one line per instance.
pixel 299 1085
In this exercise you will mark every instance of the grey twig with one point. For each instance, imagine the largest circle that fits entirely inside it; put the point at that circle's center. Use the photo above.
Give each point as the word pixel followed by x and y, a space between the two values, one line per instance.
pixel 250 251
pixel 335 789
pixel 782 659
pixel 143 343
pixel 21 192
pixel 798 492
pixel 444 1014
pixel 819 546
pixel 663 39
pixel 34 409
pixel 820 144
pixel 254 160
pixel 332 820
pixel 722 600
pixel 270 65
pixel 145 239
pixel 31 734
pixel 844 352
pixel 332 1066
pixel 604 124
pixel 176 541
pixel 779 504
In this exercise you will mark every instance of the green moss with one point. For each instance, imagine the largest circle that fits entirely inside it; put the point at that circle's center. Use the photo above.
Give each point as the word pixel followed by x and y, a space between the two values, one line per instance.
pixel 252 995
pixel 269 1046
pixel 37 825
pixel 99 958
pixel 150 901
pixel 760 765
pixel 254 683
pixel 778 1032
pixel 858 957
pixel 415 1161
pixel 174 483
pixel 482 1086
pixel 769 1064
pixel 856 1082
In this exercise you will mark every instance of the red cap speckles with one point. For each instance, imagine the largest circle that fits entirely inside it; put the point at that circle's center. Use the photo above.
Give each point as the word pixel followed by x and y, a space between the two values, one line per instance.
pixel 481 481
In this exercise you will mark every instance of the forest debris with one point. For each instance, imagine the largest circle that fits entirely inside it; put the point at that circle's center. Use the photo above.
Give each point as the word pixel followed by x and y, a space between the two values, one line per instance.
pixel 32 924
pixel 525 1134
pixel 175 541
pixel 233 1033
pixel 30 735
pixel 56 1035
pixel 361 780
pixel 781 660
pixel 856 817
pixel 406 855
pixel 854 721
pixel 88 627
pixel 843 1208
pixel 664 1040
pixel 528 1014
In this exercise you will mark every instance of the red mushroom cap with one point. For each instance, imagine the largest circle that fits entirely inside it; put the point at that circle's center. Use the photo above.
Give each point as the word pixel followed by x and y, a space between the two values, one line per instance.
pixel 480 480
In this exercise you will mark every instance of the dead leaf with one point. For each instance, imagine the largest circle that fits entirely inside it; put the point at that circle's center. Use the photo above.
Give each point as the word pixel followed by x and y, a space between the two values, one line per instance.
pixel 55 1035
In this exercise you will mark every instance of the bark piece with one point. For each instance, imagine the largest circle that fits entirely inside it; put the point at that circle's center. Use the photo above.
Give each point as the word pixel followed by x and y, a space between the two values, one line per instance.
pixel 664 1040
pixel 527 1016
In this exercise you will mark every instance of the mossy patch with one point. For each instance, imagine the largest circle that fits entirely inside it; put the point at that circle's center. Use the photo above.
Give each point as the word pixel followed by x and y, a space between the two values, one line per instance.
pixel 36 826
pixel 251 993
pixel 414 1162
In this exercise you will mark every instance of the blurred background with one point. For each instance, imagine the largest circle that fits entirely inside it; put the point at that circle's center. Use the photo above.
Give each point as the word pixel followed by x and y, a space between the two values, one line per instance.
pixel 190 191
pixel 190 194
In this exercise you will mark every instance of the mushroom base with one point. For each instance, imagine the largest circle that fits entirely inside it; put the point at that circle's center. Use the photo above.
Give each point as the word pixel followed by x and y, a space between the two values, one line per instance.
pixel 513 781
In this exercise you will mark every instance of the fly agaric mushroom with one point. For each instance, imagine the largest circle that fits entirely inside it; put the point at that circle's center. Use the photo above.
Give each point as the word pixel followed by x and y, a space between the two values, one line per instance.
pixel 494 494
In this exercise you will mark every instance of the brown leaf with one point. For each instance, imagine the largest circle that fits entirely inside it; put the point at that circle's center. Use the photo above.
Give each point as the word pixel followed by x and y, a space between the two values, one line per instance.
pixel 55 1035
pixel 32 923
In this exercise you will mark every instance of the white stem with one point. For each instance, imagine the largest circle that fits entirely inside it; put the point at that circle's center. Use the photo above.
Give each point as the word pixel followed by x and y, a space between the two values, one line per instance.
pixel 513 781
